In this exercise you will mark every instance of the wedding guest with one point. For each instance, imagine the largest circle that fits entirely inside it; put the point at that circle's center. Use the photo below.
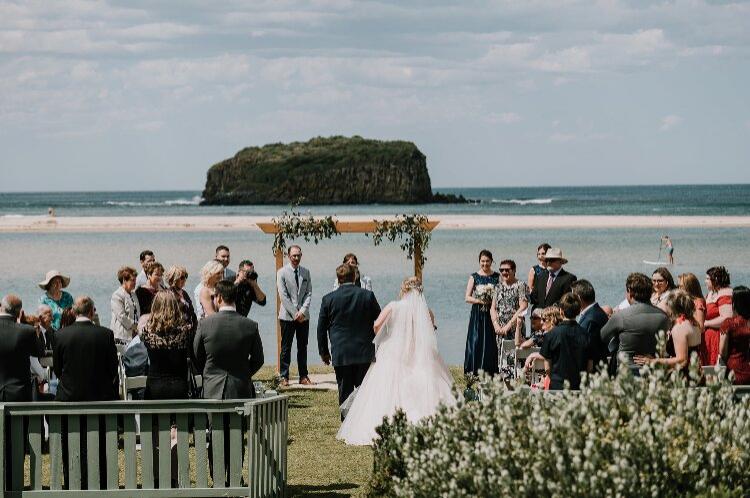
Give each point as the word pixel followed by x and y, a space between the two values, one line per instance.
pixel 690 284
pixel 44 313
pixel 222 256
pixel 591 319
pixel 542 321
pixel 552 283
pixel 540 267
pixel 146 257
pixel 564 347
pixel 154 283
pixel 125 307
pixel 135 363
pixel 360 281
pixel 663 284
pixel 248 289
pixel 54 296
pixel 718 309
pixel 509 303
pixel 635 327
pixel 684 338
pixel 734 343
pixel 294 286
pixel 211 274
pixel 481 347
pixel 176 277
pixel 68 318
pixel 18 342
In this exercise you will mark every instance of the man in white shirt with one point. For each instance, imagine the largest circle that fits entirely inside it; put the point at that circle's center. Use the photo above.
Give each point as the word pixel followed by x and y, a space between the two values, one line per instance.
pixel 147 257
pixel 222 256
pixel 45 329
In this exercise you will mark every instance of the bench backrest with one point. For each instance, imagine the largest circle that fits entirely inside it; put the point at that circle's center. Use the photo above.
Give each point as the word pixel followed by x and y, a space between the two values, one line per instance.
pixel 248 441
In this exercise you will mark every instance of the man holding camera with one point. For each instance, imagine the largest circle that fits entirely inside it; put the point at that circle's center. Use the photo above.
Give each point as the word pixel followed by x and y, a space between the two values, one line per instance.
pixel 247 289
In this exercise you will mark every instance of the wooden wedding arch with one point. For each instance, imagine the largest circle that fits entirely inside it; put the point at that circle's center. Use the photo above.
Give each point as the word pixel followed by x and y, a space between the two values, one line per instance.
pixel 364 227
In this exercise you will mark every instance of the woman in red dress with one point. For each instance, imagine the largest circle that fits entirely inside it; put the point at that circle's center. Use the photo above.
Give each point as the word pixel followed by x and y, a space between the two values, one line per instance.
pixel 690 284
pixel 718 309
pixel 735 337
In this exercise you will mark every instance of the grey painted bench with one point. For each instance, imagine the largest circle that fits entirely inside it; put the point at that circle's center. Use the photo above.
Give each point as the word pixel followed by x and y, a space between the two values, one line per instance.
pixel 254 431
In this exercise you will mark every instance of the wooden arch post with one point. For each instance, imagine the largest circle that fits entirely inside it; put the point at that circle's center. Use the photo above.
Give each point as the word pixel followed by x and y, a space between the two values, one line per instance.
pixel 341 227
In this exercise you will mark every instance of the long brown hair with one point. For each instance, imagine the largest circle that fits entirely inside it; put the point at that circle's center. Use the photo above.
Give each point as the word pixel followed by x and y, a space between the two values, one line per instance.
pixel 690 284
pixel 166 314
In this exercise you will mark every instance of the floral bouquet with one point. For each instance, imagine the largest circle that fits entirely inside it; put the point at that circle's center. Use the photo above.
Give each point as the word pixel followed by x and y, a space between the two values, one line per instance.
pixel 485 293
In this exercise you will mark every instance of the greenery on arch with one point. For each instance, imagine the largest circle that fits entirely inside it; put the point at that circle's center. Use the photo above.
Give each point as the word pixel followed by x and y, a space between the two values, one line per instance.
pixel 292 224
pixel 411 231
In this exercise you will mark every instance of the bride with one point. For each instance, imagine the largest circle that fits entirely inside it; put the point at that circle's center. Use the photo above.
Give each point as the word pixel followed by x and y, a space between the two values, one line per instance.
pixel 408 372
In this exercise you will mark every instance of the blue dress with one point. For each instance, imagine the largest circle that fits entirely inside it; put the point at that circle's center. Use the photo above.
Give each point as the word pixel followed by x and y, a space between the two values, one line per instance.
pixel 481 346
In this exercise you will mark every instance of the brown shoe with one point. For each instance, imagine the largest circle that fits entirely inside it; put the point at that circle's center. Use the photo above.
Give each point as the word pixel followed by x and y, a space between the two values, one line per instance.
pixel 284 382
pixel 305 381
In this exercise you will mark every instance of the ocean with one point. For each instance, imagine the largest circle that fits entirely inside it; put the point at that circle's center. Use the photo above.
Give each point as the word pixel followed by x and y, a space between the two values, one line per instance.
pixel 604 256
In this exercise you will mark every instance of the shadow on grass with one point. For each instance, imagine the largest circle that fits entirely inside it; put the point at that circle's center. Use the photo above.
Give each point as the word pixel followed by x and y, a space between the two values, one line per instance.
pixel 335 490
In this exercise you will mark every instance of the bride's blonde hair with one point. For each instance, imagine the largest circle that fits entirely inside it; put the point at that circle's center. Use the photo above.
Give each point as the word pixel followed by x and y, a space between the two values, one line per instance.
pixel 410 283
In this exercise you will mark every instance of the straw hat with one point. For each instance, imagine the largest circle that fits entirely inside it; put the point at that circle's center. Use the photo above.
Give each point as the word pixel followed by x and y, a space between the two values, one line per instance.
pixel 555 253
pixel 52 274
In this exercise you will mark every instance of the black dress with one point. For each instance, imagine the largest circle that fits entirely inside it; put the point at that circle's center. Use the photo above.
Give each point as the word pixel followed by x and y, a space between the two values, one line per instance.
pixel 168 364
pixel 145 299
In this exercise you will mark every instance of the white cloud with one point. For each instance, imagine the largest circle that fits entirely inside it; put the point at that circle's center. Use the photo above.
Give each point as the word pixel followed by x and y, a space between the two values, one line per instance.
pixel 669 122
pixel 504 118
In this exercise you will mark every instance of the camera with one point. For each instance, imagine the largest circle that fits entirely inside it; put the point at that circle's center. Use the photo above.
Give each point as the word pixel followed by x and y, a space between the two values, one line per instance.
pixel 251 275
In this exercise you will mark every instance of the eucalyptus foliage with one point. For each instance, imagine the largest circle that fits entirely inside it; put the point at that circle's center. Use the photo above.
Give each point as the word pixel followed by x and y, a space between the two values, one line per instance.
pixel 292 224
pixel 411 230
pixel 649 436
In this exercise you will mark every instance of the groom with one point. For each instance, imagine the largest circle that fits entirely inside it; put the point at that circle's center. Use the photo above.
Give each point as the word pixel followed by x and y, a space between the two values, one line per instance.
pixel 347 316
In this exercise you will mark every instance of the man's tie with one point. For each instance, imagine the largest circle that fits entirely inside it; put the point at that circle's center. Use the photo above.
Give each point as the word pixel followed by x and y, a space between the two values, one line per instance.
pixel 550 280
pixel 296 277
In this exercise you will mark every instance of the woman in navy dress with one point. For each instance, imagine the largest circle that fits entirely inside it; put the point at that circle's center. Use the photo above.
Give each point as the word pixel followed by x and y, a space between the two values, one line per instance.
pixel 481 346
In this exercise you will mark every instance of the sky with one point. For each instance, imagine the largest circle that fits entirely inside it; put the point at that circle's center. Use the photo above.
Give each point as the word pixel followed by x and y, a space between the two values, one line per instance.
pixel 147 95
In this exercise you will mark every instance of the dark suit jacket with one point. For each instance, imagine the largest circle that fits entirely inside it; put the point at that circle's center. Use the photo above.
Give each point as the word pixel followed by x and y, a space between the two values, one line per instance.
pixel 347 316
pixel 85 361
pixel 560 286
pixel 228 351
pixel 636 328
pixel 17 343
pixel 592 322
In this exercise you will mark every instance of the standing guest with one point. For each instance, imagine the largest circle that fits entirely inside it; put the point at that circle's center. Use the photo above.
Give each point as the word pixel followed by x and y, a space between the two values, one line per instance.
pixel 685 336
pixel 211 274
pixel 222 256
pixel 54 296
pixel 125 307
pixel 663 284
pixel 635 327
pixel 690 284
pixel 552 283
pixel 44 329
pixel 176 277
pixel 146 257
pixel 248 290
pixel 360 281
pixel 540 267
pixel 481 346
pixel 509 303
pixel 167 340
pixel 295 291
pixel 154 283
pixel 17 342
pixel 591 319
pixel 735 337
pixel 718 309
pixel 85 358
pixel 564 347
pixel 68 318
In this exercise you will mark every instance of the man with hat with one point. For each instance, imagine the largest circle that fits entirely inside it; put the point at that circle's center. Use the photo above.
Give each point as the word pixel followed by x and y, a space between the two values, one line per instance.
pixel 553 282
pixel 54 296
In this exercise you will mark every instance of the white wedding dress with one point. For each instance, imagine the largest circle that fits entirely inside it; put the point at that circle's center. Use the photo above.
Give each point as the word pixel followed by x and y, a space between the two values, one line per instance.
pixel 408 373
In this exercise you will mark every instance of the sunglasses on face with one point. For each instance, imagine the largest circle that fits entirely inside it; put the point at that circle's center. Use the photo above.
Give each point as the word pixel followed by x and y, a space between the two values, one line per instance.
pixel 505 270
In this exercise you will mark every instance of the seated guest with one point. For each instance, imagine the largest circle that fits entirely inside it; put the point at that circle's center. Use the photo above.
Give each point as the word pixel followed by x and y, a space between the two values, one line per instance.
pixel 564 347
pixel 360 281
pixel 227 349
pixel 635 327
pixel 592 319
pixel 210 275
pixel 735 336
pixel 17 342
pixel 689 283
pixel 248 290
pixel 176 278
pixel 44 328
pixel 54 296
pixel 135 363
pixel 85 358
pixel 537 332
pixel 663 284
pixel 125 307
pixel 146 257
pixel 146 292
pixel 684 338
pixel 166 336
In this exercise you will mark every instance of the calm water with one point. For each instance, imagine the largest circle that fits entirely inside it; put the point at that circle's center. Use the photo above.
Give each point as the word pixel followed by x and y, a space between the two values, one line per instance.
pixel 604 256
pixel 642 200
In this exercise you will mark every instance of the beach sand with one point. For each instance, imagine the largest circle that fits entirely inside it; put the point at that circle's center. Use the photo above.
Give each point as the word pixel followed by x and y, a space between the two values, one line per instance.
pixel 447 222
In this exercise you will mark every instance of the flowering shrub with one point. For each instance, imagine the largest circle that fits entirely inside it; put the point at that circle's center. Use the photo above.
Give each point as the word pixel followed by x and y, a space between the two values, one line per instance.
pixel 648 436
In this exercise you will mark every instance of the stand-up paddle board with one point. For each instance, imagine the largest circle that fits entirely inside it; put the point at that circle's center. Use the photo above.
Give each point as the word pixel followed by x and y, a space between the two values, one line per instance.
pixel 656 263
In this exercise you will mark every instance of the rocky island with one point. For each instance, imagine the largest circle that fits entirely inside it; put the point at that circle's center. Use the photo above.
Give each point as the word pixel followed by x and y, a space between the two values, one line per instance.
pixel 334 170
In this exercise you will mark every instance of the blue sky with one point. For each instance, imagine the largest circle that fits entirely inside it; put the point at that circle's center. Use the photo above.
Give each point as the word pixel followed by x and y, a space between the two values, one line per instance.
pixel 145 95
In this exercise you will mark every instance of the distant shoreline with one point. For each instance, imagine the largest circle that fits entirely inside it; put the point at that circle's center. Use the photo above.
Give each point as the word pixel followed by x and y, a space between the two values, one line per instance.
pixel 85 224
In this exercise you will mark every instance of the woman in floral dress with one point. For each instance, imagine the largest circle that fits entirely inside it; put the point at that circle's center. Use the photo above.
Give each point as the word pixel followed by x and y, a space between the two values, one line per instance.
pixel 481 348
pixel 509 303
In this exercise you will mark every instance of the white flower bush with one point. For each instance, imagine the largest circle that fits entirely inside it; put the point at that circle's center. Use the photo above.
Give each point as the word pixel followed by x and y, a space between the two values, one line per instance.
pixel 648 436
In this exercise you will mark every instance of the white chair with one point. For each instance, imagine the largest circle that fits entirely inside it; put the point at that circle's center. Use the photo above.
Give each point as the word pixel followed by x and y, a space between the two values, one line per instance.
pixel 537 372
pixel 128 383
pixel 521 355
pixel 507 354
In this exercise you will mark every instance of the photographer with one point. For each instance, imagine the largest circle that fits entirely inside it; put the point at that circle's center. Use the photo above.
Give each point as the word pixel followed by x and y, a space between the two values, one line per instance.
pixel 247 288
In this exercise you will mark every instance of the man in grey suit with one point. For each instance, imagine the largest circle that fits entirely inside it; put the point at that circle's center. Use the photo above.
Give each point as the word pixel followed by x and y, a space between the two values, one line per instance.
pixel 635 327
pixel 295 291
pixel 227 349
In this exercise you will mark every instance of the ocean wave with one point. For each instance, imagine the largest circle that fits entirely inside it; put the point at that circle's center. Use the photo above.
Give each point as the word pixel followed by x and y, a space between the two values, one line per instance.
pixel 195 201
pixel 13 216
pixel 521 202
